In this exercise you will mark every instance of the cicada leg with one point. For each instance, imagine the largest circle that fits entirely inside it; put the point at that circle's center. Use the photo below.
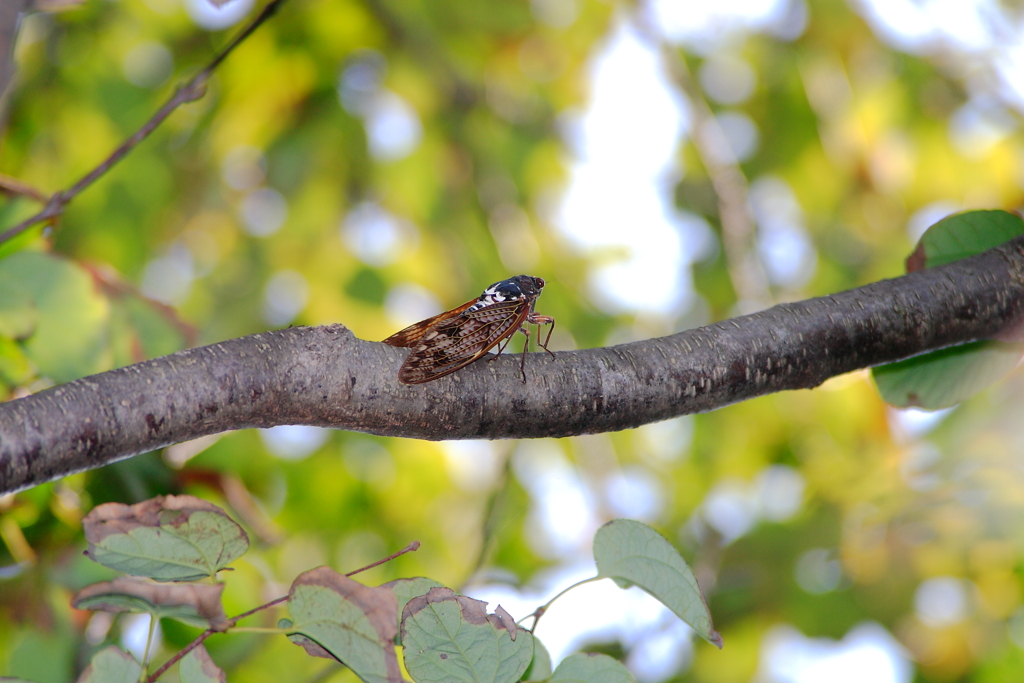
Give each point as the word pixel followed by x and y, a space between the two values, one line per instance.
pixel 538 320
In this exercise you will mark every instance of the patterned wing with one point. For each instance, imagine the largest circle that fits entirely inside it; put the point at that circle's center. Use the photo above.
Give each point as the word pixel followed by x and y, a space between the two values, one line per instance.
pixel 411 335
pixel 456 341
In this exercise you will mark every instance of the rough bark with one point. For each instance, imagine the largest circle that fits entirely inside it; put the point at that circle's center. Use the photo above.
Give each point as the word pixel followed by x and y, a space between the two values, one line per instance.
pixel 325 376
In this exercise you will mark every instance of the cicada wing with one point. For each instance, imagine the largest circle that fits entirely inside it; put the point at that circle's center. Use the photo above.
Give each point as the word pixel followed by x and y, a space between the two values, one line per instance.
pixel 457 341
pixel 411 335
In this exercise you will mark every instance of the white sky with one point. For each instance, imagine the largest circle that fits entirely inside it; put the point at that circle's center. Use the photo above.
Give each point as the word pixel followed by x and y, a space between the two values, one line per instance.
pixel 622 178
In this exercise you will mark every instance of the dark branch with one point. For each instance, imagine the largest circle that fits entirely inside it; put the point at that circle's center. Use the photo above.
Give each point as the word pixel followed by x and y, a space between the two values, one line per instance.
pixel 191 91
pixel 325 376
pixel 13 186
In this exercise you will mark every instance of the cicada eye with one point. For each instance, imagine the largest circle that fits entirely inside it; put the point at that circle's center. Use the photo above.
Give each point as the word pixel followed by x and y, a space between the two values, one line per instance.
pixel 539 282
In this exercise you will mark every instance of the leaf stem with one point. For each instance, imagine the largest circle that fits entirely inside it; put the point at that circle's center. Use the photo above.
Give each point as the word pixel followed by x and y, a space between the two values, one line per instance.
pixel 412 547
pixel 539 612
pixel 254 610
pixel 149 644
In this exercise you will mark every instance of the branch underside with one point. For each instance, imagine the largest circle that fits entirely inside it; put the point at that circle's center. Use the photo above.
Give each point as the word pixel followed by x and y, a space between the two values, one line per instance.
pixel 325 376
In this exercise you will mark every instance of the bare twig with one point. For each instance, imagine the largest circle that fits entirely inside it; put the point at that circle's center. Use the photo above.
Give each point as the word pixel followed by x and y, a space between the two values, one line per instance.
pixel 209 632
pixel 184 651
pixel 412 547
pixel 14 186
pixel 746 272
pixel 254 610
pixel 738 232
pixel 191 91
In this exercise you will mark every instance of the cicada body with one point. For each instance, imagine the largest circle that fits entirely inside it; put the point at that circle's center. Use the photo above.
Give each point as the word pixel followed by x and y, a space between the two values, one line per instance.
pixel 452 340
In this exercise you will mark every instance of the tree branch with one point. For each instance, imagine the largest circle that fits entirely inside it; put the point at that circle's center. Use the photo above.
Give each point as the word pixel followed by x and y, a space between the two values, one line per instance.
pixel 324 376
pixel 191 91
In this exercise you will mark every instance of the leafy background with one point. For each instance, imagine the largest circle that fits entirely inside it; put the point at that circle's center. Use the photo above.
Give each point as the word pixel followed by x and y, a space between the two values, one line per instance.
pixel 370 162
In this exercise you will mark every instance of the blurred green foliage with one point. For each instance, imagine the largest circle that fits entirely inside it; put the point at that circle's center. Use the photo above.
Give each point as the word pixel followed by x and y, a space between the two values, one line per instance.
pixel 238 214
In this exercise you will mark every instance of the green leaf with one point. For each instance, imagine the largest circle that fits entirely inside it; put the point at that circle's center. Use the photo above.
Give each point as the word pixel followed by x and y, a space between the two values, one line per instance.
pixel 336 617
pixel 167 538
pixel 198 605
pixel 450 638
pixel 66 298
pixel 197 667
pixel 943 378
pixel 633 553
pixel 540 667
pixel 407 589
pixel 964 234
pixel 18 313
pixel 111 665
pixel 587 667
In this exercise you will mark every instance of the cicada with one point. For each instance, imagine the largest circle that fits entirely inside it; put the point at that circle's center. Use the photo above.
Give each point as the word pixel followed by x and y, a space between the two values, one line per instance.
pixel 452 340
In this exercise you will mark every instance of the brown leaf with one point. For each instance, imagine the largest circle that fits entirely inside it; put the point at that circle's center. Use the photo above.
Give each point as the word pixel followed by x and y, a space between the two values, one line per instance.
pixel 379 605
pixel 506 621
pixel 116 518
pixel 167 538
pixel 917 259
pixel 201 599
pixel 473 611
pixel 311 647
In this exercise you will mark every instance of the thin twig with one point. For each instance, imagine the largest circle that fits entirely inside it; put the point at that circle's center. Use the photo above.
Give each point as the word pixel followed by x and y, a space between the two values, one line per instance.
pixel 746 271
pixel 415 545
pixel 14 186
pixel 149 641
pixel 191 91
pixel 234 620
pixel 254 610
pixel 174 660
pixel 540 611
pixel 412 547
